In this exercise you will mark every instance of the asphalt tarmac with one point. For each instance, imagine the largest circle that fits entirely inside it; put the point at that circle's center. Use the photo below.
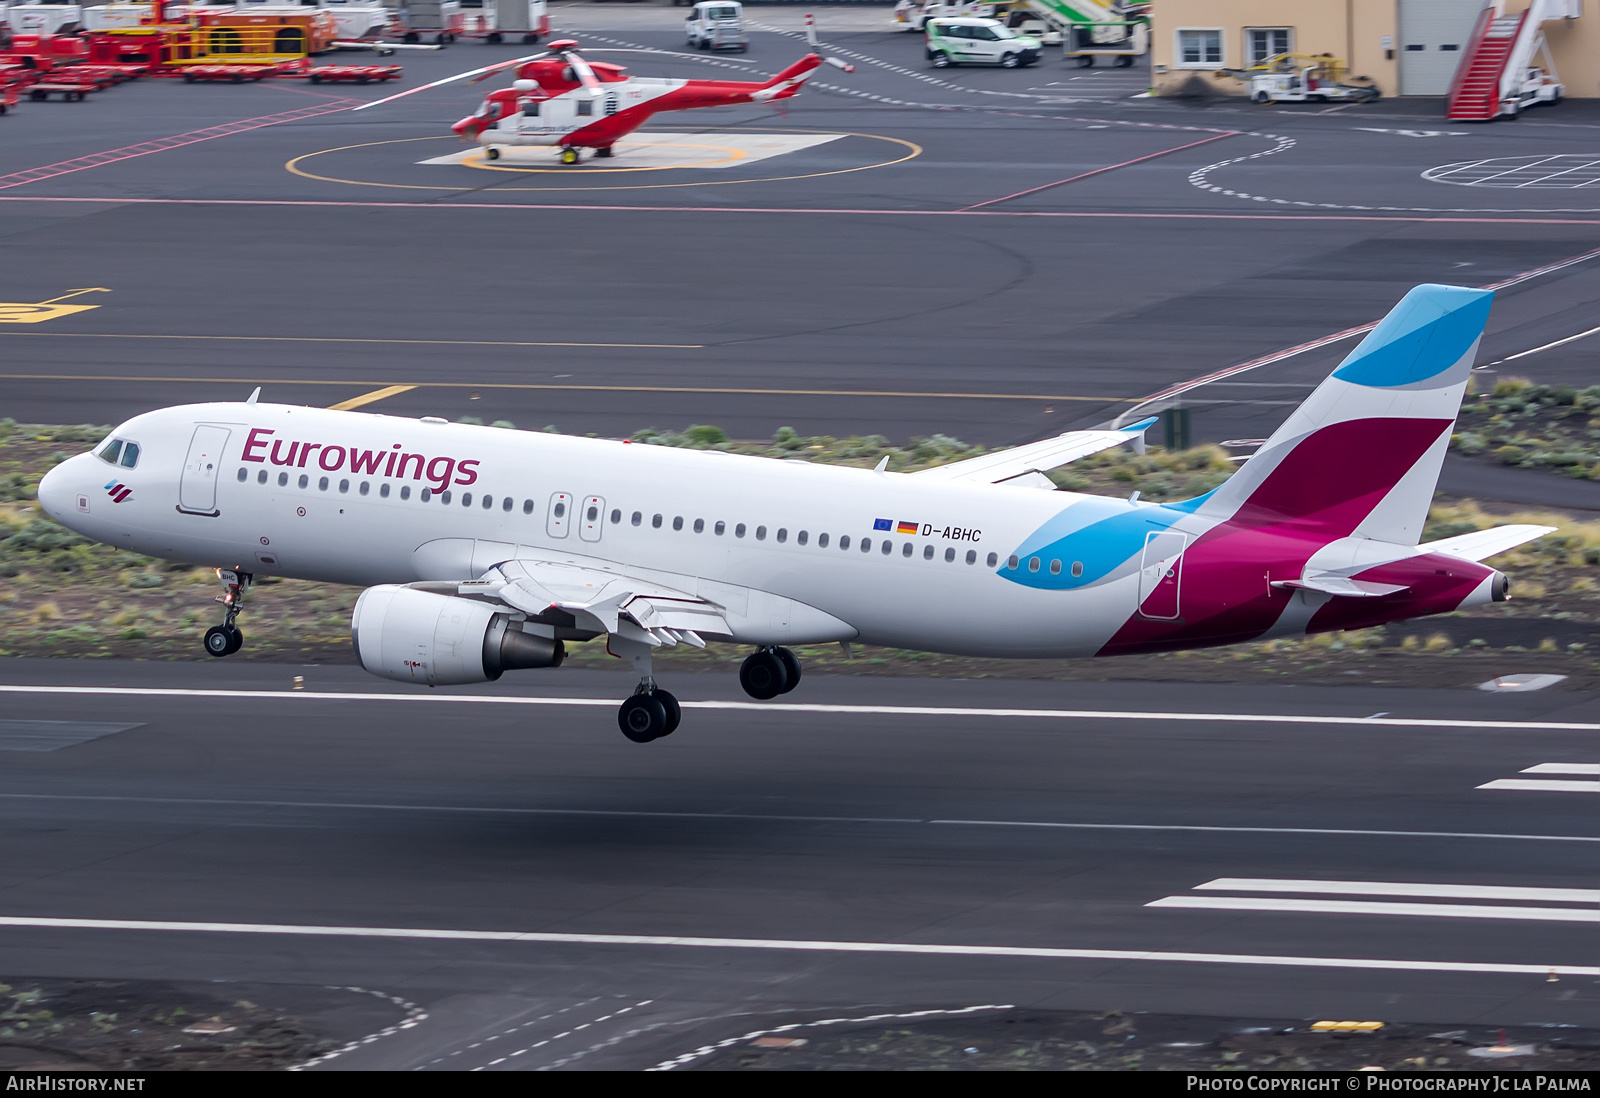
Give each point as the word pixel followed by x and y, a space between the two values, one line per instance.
pixel 536 891
pixel 770 863
pixel 988 254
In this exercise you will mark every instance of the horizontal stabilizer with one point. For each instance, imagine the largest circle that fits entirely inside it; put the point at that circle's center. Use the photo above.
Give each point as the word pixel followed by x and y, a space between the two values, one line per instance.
pixel 1483 544
pixel 1330 584
pixel 1014 465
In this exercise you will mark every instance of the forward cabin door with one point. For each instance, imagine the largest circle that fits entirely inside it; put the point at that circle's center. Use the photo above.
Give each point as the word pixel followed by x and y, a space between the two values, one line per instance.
pixel 197 490
pixel 1161 574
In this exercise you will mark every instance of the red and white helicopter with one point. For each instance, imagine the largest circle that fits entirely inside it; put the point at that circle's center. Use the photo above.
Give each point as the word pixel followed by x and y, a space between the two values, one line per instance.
pixel 559 99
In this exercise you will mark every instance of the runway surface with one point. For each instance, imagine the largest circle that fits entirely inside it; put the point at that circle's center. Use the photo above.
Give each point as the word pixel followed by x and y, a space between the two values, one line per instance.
pixel 505 862
pixel 1111 248
pixel 991 255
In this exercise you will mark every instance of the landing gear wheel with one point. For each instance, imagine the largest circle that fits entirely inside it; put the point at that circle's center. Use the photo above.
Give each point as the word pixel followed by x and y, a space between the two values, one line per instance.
pixel 791 667
pixel 235 639
pixel 674 710
pixel 569 156
pixel 763 675
pixel 643 718
pixel 1010 61
pixel 491 153
pixel 218 642
pixel 605 154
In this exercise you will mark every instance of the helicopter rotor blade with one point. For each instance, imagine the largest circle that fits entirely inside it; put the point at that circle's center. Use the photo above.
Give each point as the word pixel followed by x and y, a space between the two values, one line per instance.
pixel 584 73
pixel 480 74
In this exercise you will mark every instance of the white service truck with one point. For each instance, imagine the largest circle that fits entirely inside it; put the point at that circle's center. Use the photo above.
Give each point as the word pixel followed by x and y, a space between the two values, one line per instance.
pixel 716 25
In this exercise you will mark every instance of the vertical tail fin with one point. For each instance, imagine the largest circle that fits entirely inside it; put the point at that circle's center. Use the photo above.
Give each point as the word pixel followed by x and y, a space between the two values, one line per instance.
pixel 788 82
pixel 1362 455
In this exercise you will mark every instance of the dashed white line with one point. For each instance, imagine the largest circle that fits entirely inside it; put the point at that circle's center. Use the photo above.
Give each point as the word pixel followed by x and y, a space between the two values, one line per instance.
pixel 414 1016
pixel 706 1050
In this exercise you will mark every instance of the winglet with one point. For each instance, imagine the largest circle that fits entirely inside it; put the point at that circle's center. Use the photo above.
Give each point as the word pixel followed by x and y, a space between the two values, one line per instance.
pixel 1137 430
pixel 252 398
pixel 883 463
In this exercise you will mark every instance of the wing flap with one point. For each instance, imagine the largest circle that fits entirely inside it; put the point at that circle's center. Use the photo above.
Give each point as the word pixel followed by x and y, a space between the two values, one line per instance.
pixel 606 601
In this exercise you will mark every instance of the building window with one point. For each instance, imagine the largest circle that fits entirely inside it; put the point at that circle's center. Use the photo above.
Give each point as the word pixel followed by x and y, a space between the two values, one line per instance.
pixel 1199 49
pixel 1261 43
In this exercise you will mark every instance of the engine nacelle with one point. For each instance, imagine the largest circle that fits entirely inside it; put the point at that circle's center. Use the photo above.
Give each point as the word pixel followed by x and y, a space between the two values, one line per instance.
pixel 417 636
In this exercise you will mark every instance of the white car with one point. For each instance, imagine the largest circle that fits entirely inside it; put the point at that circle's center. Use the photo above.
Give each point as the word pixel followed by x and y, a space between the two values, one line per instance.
pixel 716 25
pixel 969 41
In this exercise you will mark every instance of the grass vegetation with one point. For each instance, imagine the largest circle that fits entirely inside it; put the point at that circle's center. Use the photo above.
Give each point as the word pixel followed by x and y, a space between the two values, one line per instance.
pixel 1519 422
pixel 62 595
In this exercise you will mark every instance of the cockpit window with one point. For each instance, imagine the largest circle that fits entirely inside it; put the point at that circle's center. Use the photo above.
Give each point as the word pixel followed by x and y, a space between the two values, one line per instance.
pixel 111 451
pixel 130 454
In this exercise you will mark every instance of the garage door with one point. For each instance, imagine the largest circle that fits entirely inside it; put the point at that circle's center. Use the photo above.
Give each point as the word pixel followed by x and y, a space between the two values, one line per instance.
pixel 1433 38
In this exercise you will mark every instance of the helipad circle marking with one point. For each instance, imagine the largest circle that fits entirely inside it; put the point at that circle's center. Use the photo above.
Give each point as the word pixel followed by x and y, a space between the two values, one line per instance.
pixel 1562 171
pixel 914 150
pixel 480 160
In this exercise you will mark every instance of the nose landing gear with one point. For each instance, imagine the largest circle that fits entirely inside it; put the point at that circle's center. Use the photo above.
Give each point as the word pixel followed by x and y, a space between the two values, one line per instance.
pixel 768 672
pixel 226 639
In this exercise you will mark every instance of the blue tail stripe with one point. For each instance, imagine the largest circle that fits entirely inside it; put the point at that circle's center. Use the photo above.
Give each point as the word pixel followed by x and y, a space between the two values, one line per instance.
pixel 1423 337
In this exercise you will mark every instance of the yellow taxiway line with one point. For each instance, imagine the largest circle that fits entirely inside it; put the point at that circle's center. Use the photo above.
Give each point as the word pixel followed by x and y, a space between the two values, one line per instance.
pixel 338 339
pixel 579 388
pixel 371 398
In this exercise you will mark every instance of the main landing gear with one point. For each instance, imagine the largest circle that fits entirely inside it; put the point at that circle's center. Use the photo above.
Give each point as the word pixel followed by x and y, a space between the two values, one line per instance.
pixel 768 672
pixel 226 639
pixel 650 714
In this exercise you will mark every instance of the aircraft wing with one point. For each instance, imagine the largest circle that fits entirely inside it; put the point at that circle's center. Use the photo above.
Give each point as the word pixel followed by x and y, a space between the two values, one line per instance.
pixel 1483 544
pixel 600 600
pixel 1026 465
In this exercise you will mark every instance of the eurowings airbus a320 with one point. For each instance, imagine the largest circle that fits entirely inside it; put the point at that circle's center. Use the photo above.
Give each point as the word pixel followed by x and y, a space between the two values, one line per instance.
pixel 484 550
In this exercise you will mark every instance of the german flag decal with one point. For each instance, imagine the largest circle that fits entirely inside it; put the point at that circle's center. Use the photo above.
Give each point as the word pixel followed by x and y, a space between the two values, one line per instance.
pixel 906 527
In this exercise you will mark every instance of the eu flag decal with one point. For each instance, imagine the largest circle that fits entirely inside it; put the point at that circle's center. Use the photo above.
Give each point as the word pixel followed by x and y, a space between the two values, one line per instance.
pixel 882 524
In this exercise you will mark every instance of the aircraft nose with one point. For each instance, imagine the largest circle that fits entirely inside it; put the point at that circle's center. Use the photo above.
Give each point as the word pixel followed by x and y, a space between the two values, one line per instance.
pixel 59 488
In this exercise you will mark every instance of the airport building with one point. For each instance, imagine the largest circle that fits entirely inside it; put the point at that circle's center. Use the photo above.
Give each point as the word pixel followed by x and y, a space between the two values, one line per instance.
pixel 1403 47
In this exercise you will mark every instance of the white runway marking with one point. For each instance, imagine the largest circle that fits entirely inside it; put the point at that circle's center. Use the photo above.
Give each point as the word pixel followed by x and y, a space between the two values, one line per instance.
pixel 806 946
pixel 495 810
pixel 650 149
pixel 1564 768
pixel 1545 785
pixel 1392 888
pixel 1378 907
pixel 796 707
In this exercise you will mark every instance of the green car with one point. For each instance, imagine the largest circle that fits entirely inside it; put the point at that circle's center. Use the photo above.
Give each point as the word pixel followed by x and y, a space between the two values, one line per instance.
pixel 973 41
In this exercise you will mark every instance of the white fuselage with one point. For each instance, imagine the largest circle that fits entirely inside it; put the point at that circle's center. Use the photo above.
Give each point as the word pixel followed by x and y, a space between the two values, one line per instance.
pixel 217 485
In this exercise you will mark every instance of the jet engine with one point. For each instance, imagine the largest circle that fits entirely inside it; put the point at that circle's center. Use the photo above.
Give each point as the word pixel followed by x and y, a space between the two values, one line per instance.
pixel 417 636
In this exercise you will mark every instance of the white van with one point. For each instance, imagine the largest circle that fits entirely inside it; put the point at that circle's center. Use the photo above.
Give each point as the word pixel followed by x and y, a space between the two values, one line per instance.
pixel 716 25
